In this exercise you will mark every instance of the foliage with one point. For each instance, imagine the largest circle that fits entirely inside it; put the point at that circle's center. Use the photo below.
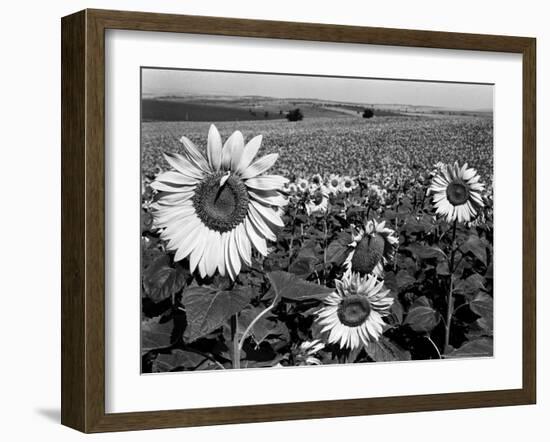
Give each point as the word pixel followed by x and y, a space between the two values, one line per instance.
pixel 189 323
pixel 368 113
pixel 295 115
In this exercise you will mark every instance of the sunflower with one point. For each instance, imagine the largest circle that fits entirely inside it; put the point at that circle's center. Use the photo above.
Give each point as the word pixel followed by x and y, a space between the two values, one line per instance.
pixel 303 185
pixel 214 210
pixel 352 315
pixel 292 188
pixel 334 184
pixel 317 180
pixel 457 193
pixel 305 352
pixel 318 200
pixel 372 247
pixel 347 184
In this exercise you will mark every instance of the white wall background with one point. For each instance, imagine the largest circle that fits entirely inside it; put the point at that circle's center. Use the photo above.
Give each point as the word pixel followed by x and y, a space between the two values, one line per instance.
pixel 30 216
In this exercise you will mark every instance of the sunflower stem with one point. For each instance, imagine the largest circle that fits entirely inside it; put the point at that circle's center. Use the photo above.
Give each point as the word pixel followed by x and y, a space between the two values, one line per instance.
pixel 325 238
pixel 450 299
pixel 235 339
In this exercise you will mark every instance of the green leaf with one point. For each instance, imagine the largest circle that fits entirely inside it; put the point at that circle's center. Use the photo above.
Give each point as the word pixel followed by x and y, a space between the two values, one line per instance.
pixel 470 286
pixel 155 334
pixel 477 247
pixel 337 250
pixel 263 328
pixel 422 318
pixel 442 268
pixel 303 266
pixel 474 349
pixel 178 359
pixel 207 308
pixel 424 251
pixel 385 350
pixel 289 286
pixel 161 281
pixel 397 312
pixel 482 305
pixel 400 281
pixel 404 280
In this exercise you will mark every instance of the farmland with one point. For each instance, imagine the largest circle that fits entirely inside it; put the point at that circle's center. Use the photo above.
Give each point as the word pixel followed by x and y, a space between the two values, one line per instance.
pixel 382 148
pixel 437 272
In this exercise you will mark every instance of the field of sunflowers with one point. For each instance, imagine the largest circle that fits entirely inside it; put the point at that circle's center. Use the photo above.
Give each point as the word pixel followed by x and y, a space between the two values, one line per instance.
pixel 321 242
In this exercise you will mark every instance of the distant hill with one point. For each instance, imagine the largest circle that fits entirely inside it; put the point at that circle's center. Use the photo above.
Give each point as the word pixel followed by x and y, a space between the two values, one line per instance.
pixel 211 108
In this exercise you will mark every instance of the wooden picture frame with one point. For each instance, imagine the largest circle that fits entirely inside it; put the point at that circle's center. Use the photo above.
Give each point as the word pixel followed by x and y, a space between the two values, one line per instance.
pixel 83 217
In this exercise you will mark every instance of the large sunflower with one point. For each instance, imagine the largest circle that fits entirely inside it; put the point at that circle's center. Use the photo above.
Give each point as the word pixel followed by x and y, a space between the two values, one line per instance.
pixel 373 246
pixel 457 193
pixel 213 210
pixel 352 315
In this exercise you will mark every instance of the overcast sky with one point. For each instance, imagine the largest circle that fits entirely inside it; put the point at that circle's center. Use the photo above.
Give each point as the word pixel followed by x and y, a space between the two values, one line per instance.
pixel 357 90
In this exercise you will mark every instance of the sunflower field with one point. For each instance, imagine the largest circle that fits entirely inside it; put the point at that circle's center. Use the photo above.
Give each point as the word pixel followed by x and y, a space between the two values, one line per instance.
pixel 321 242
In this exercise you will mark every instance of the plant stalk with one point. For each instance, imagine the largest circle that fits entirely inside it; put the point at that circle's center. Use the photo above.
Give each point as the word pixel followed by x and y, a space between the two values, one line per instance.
pixel 450 299
pixel 235 339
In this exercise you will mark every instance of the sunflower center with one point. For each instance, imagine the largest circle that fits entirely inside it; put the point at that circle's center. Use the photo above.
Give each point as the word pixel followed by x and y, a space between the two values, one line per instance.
pixel 457 193
pixel 317 198
pixel 354 310
pixel 347 184
pixel 334 183
pixel 221 207
pixel 368 253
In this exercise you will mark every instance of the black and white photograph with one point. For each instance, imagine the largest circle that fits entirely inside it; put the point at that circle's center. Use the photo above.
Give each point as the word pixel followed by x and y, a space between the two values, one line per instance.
pixel 302 220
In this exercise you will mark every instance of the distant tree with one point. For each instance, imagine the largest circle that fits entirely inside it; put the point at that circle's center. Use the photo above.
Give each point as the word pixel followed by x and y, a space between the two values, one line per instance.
pixel 295 115
pixel 280 112
pixel 368 113
pixel 266 114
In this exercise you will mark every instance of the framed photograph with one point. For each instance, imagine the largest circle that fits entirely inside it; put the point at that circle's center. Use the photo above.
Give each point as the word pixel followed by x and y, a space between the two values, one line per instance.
pixel 266 221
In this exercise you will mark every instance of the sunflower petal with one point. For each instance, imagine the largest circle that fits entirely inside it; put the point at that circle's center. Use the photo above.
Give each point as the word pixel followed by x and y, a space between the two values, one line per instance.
pixel 268 214
pixel 250 151
pixel 232 151
pixel 255 238
pixel 194 155
pixel 260 166
pixel 266 182
pixel 214 148
pixel 176 178
pixel 182 165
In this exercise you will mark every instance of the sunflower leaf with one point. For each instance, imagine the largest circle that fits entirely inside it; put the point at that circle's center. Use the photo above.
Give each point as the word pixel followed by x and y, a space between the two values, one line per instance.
pixel 470 286
pixel 338 250
pixel 422 318
pixel 303 266
pixel 477 247
pixel 179 360
pixel 482 305
pixel 289 286
pixel 207 308
pixel 385 350
pixel 156 334
pixel 423 251
pixel 263 328
pixel 160 280
pixel 481 347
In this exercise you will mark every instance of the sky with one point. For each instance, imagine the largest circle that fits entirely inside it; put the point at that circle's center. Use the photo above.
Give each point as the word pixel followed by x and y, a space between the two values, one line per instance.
pixel 357 90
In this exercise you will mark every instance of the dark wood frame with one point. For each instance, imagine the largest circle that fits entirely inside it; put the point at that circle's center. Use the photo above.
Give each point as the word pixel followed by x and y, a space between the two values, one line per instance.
pixel 83 216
